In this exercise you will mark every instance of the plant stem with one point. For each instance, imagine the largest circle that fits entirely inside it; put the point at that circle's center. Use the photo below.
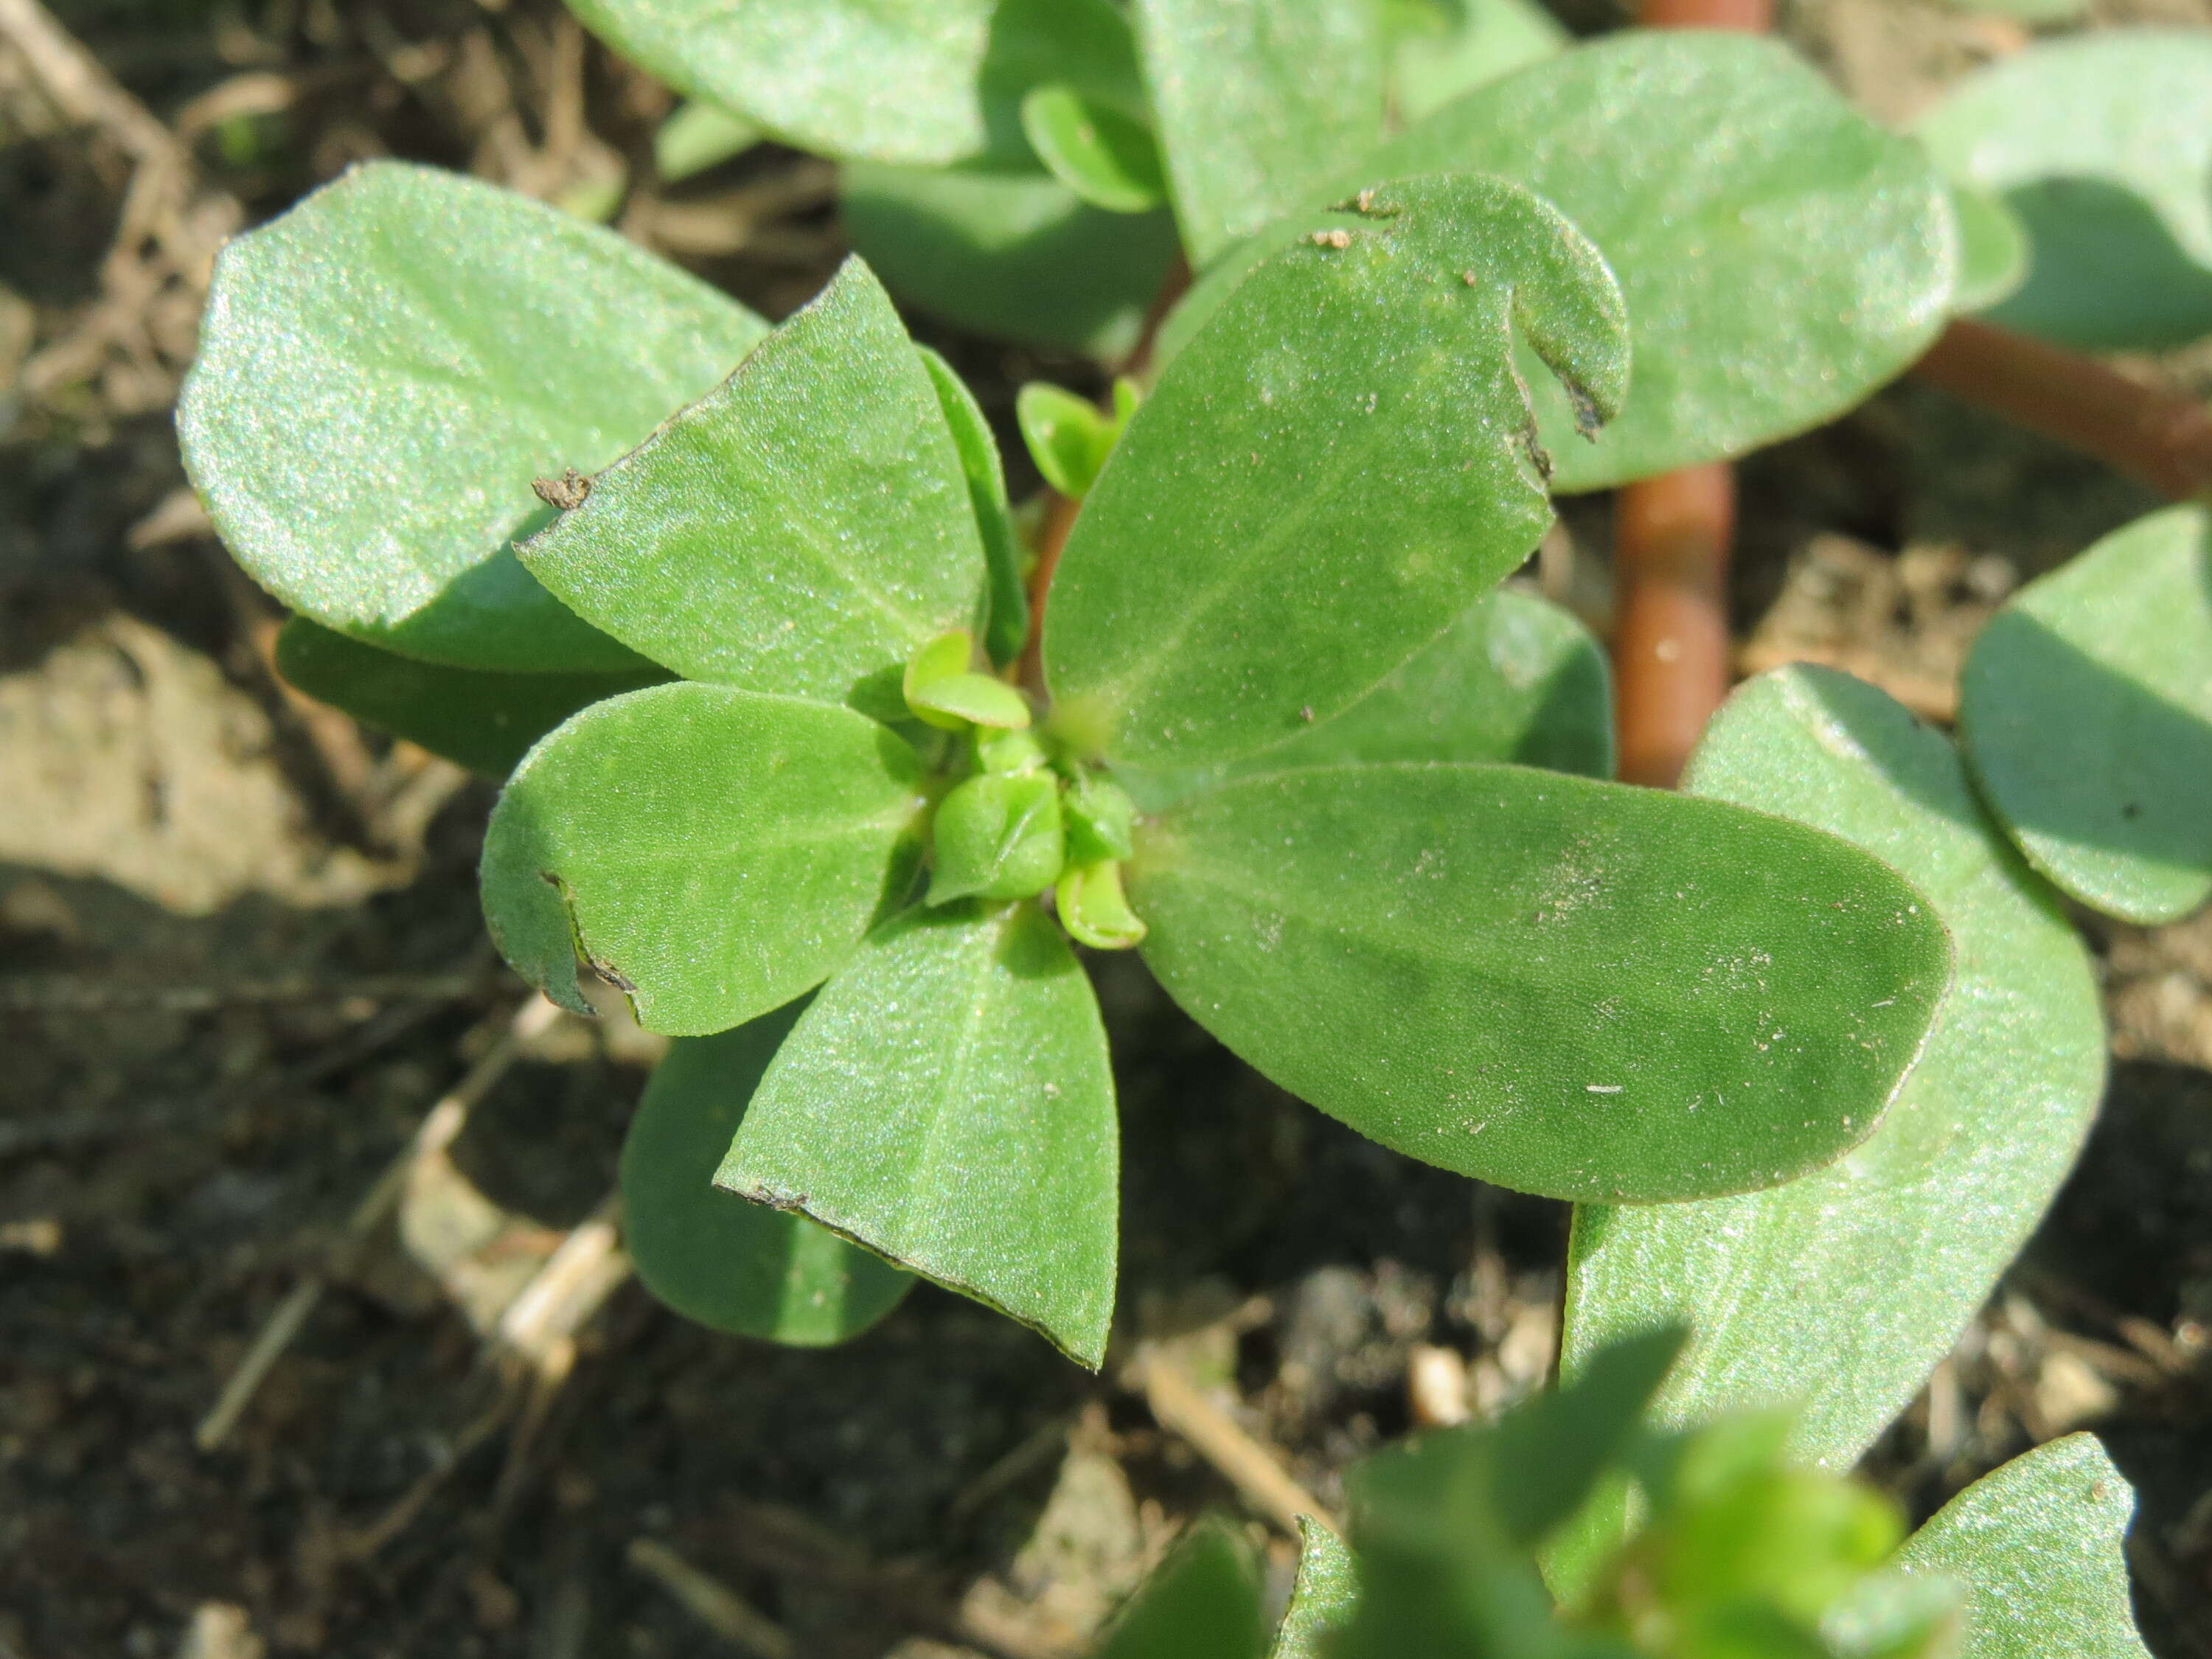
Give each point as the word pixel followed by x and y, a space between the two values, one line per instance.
pixel 2160 438
pixel 1670 549
pixel 1670 650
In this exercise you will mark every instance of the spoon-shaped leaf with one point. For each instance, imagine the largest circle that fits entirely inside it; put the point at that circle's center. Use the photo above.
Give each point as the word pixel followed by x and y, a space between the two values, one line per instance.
pixel 2039 1546
pixel 2100 144
pixel 383 372
pixel 2086 712
pixel 921 81
pixel 1107 158
pixel 1334 468
pixel 1011 256
pixel 1781 256
pixel 800 529
pixel 710 1255
pixel 484 720
pixel 1257 102
pixel 1839 1291
pixel 712 852
pixel 1573 988
pixel 945 1100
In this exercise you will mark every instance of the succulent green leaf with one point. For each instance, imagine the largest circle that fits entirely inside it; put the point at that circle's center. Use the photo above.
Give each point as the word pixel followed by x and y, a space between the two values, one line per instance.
pixel 998 838
pixel 1011 256
pixel 2099 143
pixel 1993 253
pixel 1324 1594
pixel 483 719
pixel 1568 987
pixel 1094 909
pixel 1332 470
pixel 2085 710
pixel 946 1102
pixel 1446 47
pixel 1839 1291
pixel 699 135
pixel 1516 678
pixel 1201 1602
pixel 711 853
pixel 707 1254
pixel 1107 158
pixel 1006 626
pixel 940 690
pixel 1101 820
pixel 1068 437
pixel 1256 103
pixel 917 82
pixel 799 530
pixel 385 370
pixel 1712 166
pixel 2039 1546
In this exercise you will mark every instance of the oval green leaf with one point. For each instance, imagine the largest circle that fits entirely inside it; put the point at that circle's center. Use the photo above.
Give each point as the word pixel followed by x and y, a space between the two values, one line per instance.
pixel 710 853
pixel 946 1102
pixel 385 370
pixel 699 135
pixel 1334 469
pixel 1838 1292
pixel 1257 102
pixel 1572 988
pixel 2040 1547
pixel 1516 679
pixel 486 721
pixel 1010 256
pixel 2086 709
pixel 800 529
pixel 1107 158
pixel 1006 626
pixel 2100 144
pixel 1781 256
pixel 714 1258
pixel 1993 252
pixel 915 82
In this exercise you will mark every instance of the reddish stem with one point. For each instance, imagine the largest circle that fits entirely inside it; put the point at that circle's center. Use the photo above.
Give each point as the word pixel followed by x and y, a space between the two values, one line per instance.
pixel 1670 652
pixel 1670 550
pixel 2158 437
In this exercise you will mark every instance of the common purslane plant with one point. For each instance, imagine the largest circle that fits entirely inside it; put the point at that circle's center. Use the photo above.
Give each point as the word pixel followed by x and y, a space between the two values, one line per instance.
pixel 742 614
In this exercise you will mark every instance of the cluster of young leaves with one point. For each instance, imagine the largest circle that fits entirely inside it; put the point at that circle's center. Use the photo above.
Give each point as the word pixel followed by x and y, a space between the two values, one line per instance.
pixel 1472 1543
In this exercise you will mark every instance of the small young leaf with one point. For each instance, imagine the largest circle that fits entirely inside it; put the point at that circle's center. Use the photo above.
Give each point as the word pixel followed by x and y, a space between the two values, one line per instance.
pixel 946 1101
pixel 484 721
pixel 923 81
pixel 1010 256
pixel 940 690
pixel 1993 253
pixel 1093 908
pixel 2085 710
pixel 1448 47
pixel 1709 167
pixel 1101 819
pixel 800 529
pixel 1332 470
pixel 1257 102
pixel 1323 1595
pixel 1840 1291
pixel 383 372
pixel 711 852
pixel 1068 437
pixel 1006 626
pixel 707 1254
pixel 998 838
pixel 1107 158
pixel 699 135
pixel 2039 1546
pixel 1202 1602
pixel 2099 143
pixel 1567 987
pixel 1549 1455
pixel 1516 678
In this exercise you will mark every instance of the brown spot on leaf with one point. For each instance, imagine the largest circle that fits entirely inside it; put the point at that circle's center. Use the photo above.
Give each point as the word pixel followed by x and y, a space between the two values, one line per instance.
pixel 567 493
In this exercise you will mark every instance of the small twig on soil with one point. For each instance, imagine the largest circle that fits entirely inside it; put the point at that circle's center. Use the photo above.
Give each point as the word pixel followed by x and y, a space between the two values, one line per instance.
pixel 1670 653
pixel 69 993
pixel 1247 1465
pixel 2159 438
pixel 440 1129
pixel 711 1601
